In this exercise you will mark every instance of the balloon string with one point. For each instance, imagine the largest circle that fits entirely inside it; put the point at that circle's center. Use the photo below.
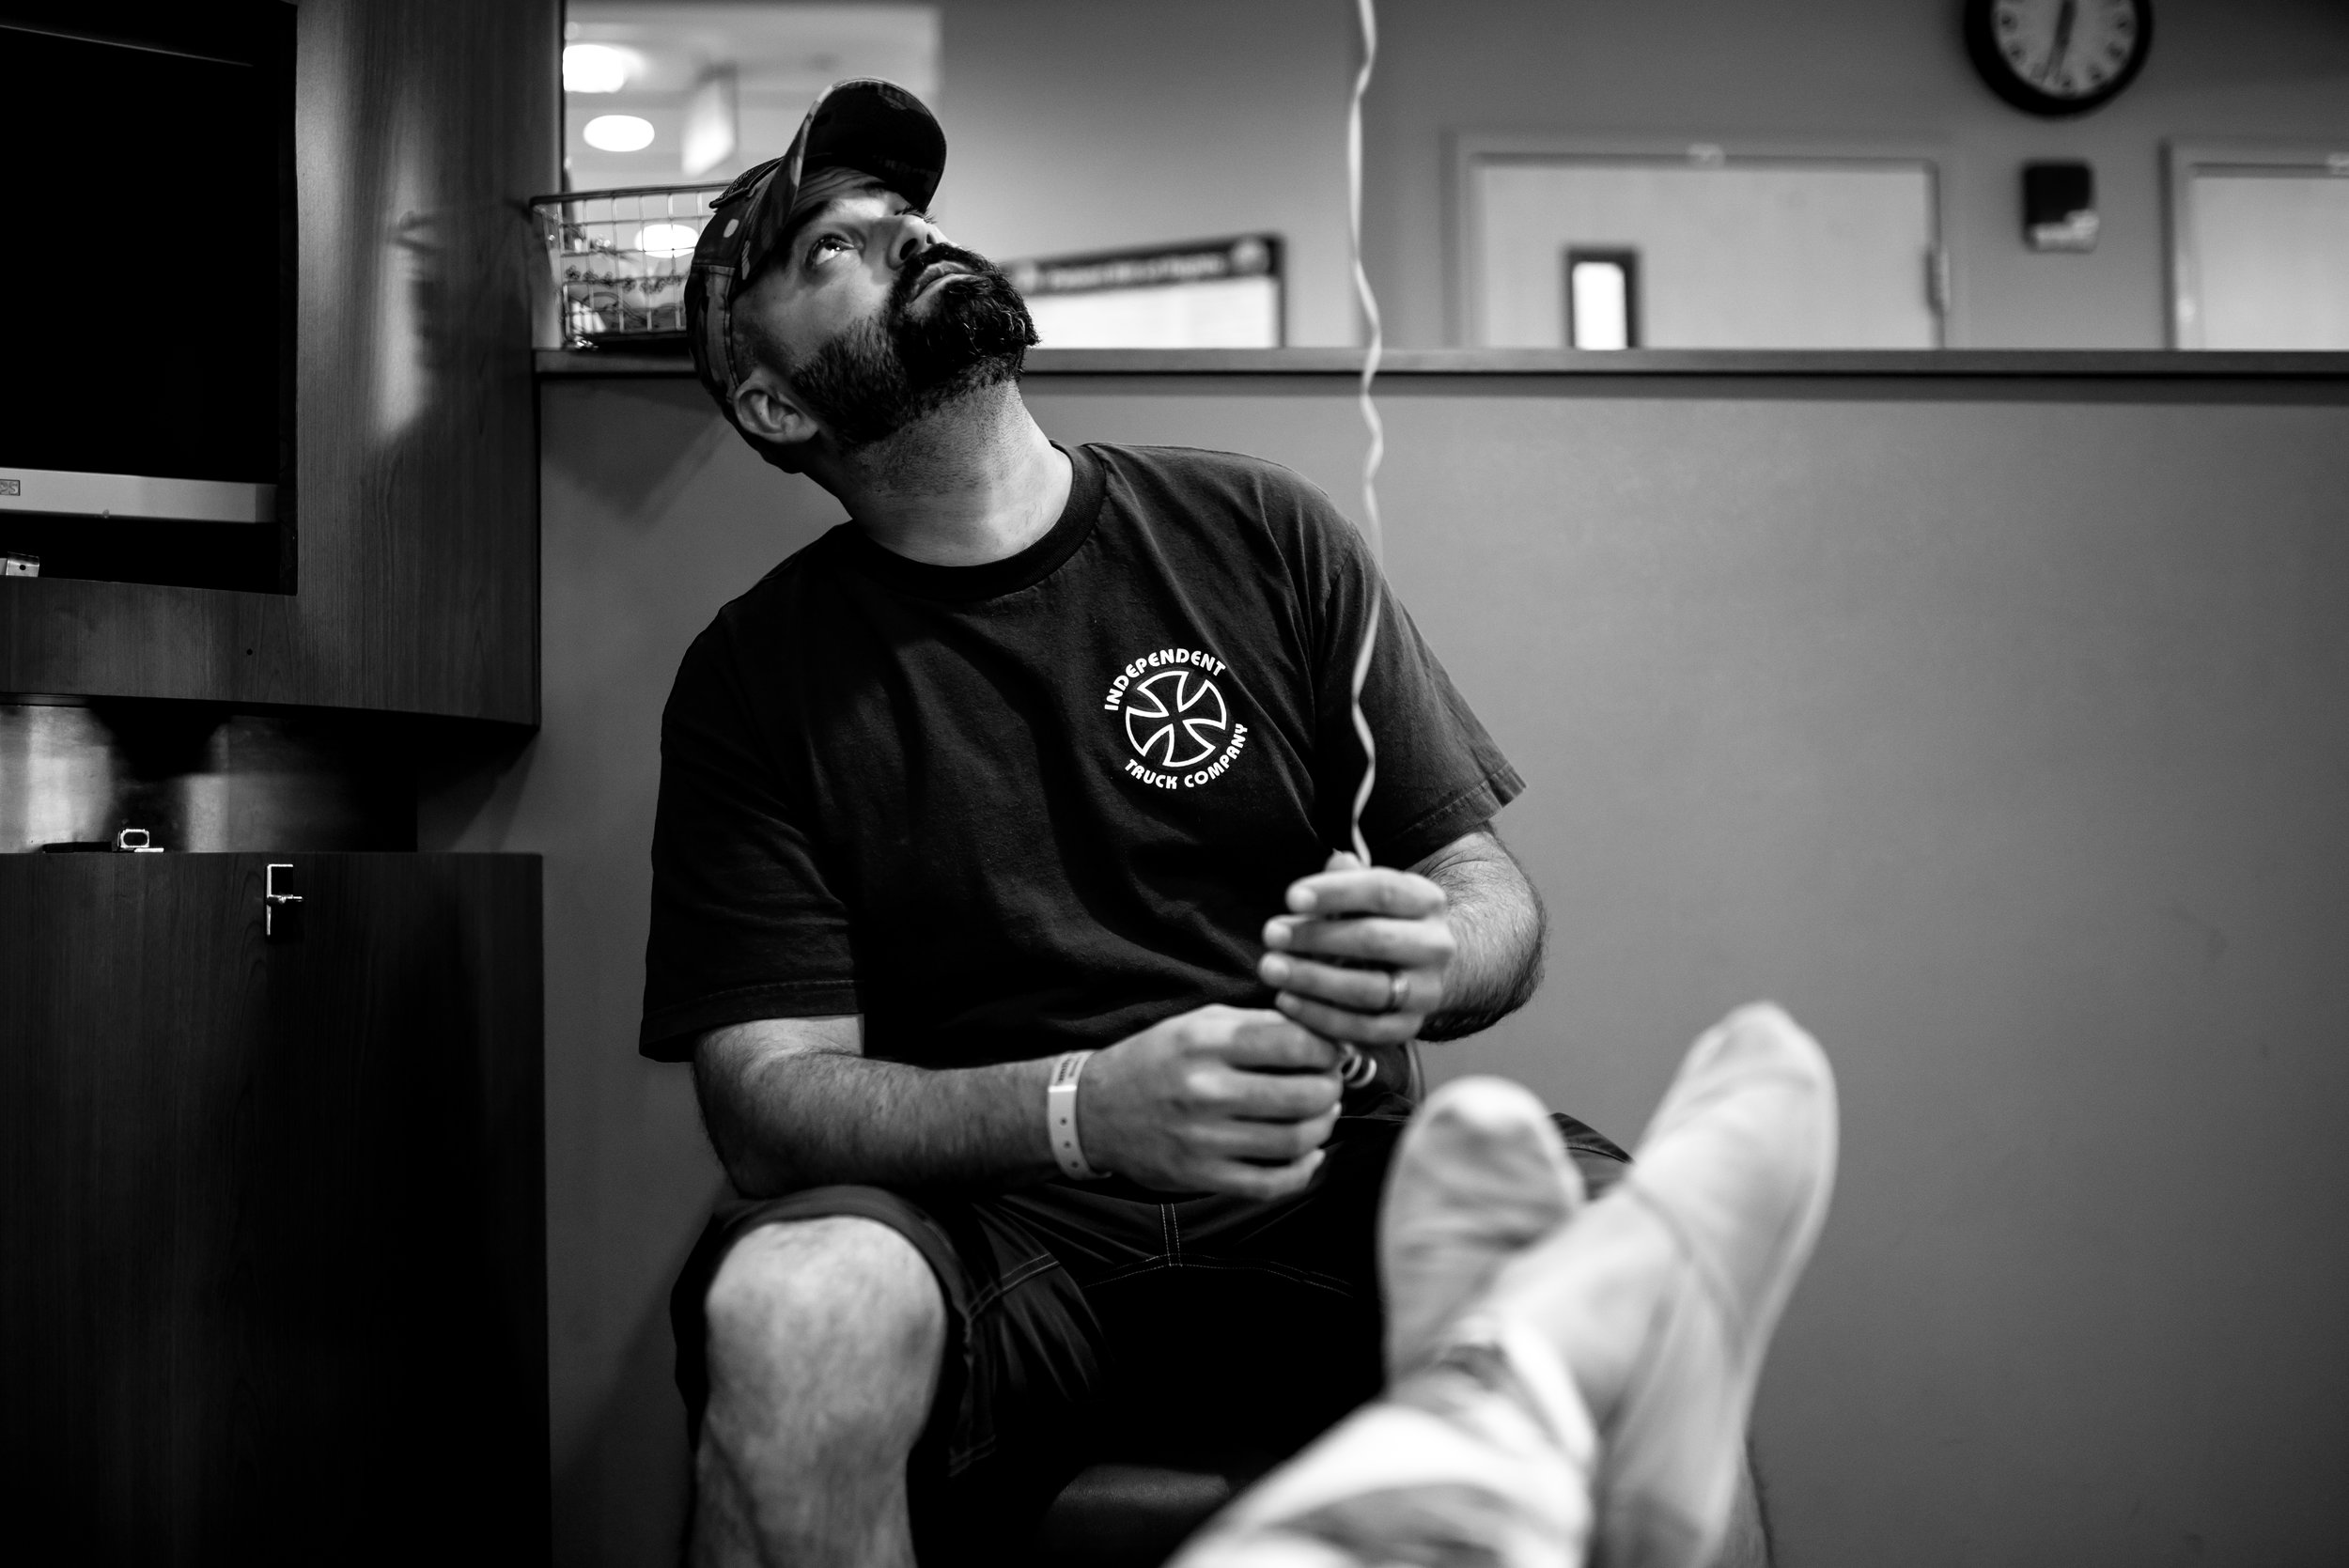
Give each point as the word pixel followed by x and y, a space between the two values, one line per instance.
pixel 1366 11
pixel 1358 1068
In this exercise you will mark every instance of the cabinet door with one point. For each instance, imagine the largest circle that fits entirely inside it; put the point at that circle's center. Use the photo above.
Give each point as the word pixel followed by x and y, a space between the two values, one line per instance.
pixel 273 1279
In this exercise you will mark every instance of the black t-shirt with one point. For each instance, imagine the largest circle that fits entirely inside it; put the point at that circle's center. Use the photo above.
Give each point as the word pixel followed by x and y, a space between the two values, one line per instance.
pixel 1009 810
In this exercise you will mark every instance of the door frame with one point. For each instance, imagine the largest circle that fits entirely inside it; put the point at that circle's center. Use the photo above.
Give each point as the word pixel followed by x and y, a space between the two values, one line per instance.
pixel 1469 150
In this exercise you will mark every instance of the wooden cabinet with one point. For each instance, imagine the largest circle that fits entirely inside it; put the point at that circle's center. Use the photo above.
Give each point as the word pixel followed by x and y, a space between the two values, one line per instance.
pixel 421 130
pixel 272 1217
pixel 272 1213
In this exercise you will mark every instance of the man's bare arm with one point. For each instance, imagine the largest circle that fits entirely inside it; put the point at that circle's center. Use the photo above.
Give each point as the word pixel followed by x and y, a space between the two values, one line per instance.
pixel 794 1103
pixel 1217 1099
pixel 1500 927
pixel 1378 956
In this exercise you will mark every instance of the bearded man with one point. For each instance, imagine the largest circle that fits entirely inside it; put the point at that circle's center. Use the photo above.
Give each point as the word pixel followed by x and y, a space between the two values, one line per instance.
pixel 993 906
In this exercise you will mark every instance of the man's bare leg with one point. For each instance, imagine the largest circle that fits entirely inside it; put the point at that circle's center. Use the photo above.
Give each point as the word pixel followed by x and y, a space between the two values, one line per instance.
pixel 824 1342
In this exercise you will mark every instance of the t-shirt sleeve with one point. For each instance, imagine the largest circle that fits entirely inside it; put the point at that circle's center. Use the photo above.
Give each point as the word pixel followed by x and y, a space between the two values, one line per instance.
pixel 1439 774
pixel 743 925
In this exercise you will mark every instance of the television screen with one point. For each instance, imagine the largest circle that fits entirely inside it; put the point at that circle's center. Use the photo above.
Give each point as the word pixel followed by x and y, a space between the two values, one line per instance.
pixel 149 316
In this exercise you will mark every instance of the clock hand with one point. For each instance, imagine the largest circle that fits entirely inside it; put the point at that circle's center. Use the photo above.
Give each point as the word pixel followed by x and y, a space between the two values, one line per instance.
pixel 2062 40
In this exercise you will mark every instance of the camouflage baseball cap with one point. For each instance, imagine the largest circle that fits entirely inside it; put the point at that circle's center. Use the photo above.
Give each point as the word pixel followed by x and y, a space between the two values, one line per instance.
pixel 864 123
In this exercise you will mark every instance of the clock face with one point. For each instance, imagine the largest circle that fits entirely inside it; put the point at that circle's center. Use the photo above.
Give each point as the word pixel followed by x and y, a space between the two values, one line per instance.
pixel 2057 56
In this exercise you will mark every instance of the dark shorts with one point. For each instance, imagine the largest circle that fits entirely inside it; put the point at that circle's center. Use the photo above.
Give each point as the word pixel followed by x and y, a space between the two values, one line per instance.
pixel 1087 1323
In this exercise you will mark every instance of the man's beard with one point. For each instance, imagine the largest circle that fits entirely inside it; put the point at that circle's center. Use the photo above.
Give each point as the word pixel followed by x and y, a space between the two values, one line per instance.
pixel 876 378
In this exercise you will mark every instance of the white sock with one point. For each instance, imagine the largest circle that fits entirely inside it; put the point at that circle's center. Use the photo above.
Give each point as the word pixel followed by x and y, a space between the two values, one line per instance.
pixel 1480 1174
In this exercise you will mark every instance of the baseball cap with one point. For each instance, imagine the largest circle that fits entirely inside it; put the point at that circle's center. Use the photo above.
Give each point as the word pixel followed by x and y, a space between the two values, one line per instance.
pixel 863 123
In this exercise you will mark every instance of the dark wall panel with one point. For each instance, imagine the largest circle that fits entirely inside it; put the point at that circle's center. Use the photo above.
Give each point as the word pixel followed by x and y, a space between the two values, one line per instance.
pixel 422 128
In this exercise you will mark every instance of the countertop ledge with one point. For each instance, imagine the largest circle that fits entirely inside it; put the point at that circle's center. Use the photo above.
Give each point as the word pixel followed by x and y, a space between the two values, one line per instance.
pixel 1921 362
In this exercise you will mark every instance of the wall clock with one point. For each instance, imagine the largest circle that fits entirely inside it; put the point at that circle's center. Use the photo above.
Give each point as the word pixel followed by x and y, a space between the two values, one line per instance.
pixel 2059 57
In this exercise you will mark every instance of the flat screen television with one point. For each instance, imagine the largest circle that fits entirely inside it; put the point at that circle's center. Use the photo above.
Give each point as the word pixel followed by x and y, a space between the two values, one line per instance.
pixel 147 152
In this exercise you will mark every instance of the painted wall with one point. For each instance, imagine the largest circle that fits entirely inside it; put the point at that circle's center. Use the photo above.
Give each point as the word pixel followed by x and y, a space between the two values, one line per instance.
pixel 653 515
pixel 1996 732
pixel 1856 72
pixel 1081 124
pixel 1992 727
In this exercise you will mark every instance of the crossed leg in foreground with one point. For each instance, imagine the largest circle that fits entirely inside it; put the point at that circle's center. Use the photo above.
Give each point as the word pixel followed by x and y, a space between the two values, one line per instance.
pixel 1566 1382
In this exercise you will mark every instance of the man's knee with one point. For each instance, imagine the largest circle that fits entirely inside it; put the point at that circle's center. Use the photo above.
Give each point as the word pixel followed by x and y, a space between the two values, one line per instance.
pixel 840 1302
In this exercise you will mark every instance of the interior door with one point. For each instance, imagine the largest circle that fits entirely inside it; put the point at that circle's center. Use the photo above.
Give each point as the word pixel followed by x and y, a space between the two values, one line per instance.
pixel 1729 252
pixel 2269 255
pixel 274 1281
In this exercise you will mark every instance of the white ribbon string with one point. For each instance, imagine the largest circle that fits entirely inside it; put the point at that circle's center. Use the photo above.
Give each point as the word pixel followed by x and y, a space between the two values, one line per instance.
pixel 1367 13
pixel 1357 1067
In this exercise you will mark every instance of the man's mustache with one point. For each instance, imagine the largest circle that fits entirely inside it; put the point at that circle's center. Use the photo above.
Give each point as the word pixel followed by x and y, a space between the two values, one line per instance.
pixel 910 279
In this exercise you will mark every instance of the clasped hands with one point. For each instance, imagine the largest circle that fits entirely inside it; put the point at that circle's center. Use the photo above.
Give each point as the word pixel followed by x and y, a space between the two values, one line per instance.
pixel 1234 1099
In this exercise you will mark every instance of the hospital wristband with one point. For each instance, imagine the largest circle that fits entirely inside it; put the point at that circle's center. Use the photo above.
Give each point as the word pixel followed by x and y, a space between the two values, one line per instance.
pixel 1059 1117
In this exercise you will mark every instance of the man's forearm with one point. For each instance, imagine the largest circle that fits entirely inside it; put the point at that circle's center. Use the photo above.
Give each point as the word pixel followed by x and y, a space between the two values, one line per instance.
pixel 786 1119
pixel 1497 921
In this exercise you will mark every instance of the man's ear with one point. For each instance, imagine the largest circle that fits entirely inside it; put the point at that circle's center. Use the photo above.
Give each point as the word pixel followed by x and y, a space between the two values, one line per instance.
pixel 767 410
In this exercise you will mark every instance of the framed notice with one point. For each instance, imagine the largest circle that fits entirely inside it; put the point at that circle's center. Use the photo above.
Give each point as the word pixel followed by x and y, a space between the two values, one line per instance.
pixel 1212 294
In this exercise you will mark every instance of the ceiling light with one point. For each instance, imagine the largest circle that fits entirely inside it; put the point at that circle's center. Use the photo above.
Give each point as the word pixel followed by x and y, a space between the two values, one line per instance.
pixel 667 239
pixel 594 68
pixel 619 133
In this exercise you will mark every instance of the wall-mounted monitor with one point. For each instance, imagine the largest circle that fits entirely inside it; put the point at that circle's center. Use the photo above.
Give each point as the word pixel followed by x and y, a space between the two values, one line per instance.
pixel 148 153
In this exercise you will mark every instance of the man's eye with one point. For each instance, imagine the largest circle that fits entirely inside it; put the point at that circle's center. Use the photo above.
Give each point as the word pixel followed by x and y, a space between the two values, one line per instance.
pixel 816 251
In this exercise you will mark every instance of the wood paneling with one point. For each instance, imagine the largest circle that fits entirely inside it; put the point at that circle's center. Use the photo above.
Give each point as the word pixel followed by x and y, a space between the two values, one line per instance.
pixel 421 129
pixel 272 1220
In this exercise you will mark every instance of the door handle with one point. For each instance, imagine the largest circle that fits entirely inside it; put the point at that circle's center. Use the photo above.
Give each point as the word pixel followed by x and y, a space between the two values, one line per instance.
pixel 274 903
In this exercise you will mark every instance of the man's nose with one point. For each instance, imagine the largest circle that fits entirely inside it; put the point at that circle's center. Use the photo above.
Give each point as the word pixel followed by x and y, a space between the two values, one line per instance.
pixel 915 234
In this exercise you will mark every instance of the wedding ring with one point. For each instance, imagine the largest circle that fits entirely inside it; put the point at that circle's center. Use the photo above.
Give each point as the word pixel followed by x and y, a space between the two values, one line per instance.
pixel 1398 991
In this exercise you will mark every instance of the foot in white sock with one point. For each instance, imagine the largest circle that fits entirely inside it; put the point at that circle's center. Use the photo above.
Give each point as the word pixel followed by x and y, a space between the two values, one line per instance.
pixel 1649 1311
pixel 1661 1298
pixel 1463 1464
pixel 1479 1175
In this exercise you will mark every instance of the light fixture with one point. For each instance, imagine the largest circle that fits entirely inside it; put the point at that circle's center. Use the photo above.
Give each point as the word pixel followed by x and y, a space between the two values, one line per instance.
pixel 667 239
pixel 594 68
pixel 617 133
pixel 711 123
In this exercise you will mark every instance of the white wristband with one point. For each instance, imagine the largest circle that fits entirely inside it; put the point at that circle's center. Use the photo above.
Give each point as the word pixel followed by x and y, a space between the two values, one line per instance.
pixel 1059 1117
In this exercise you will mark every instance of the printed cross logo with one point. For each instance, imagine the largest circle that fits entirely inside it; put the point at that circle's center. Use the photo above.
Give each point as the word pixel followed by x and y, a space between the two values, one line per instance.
pixel 1177 719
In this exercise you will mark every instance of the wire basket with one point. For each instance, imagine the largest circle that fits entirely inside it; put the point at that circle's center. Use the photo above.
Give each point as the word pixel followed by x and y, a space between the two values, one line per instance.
pixel 620 259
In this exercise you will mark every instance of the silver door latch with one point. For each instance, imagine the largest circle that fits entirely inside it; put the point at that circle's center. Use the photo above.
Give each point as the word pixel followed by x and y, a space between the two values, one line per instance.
pixel 272 901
